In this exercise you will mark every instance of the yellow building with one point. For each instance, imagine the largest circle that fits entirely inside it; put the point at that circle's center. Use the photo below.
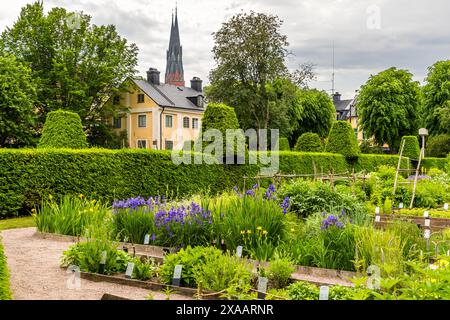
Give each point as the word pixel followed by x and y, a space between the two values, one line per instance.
pixel 346 110
pixel 159 116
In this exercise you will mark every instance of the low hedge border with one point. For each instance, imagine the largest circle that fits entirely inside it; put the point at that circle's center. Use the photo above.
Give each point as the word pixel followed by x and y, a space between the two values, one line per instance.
pixel 5 292
pixel 29 175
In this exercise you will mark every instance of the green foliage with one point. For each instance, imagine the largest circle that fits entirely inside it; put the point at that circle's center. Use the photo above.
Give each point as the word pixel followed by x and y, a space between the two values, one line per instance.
pixel 218 273
pixel 309 142
pixel 190 258
pixel 387 208
pixel 284 144
pixel 88 255
pixel 436 108
pixel 280 271
pixel 5 292
pixel 368 147
pixel 388 106
pixel 76 65
pixel 63 129
pixel 144 269
pixel 438 146
pixel 301 290
pixel 133 224
pixel 342 140
pixel 411 148
pixel 17 95
pixel 317 113
pixel 71 216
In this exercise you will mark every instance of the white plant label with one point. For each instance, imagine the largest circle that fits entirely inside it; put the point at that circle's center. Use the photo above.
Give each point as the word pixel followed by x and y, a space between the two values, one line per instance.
pixel 130 268
pixel 400 205
pixel 103 259
pixel 445 206
pixel 74 281
pixel 377 210
pixel 125 239
pixel 427 222
pixel 427 234
pixel 262 284
pixel 377 218
pixel 239 251
pixel 147 239
pixel 323 295
pixel 177 271
pixel 426 214
pixel 448 252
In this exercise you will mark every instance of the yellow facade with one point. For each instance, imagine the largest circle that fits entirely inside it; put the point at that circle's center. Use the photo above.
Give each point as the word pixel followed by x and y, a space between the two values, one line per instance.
pixel 148 130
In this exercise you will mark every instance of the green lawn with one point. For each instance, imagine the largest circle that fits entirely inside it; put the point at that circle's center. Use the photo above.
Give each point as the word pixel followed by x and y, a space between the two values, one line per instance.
pixel 14 223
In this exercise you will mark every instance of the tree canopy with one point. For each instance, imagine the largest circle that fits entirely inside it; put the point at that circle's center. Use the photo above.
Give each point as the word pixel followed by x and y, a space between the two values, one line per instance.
pixel 436 111
pixel 388 106
pixel 76 65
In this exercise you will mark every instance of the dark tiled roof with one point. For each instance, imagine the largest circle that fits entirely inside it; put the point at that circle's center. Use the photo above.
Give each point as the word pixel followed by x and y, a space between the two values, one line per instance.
pixel 345 108
pixel 168 95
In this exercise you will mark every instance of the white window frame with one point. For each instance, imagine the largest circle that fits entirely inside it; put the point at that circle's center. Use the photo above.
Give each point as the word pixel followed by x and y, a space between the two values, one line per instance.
pixel 198 123
pixel 188 123
pixel 139 115
pixel 165 121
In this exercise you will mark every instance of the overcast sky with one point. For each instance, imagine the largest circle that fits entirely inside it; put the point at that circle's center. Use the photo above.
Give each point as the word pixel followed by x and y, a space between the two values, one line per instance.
pixel 369 36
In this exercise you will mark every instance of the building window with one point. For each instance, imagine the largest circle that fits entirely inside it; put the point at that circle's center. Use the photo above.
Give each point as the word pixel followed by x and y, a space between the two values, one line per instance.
pixel 186 122
pixel 169 121
pixel 142 144
pixel 117 123
pixel 169 145
pixel 194 123
pixel 140 98
pixel 200 101
pixel 142 121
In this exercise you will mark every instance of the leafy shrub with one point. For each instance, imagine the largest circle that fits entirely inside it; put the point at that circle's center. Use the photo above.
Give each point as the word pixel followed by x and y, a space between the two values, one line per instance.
pixel 5 293
pixel 338 292
pixel 71 216
pixel 280 271
pixel 63 129
pixel 309 142
pixel 283 144
pixel 342 140
pixel 303 291
pixel 144 270
pixel 438 146
pixel 411 148
pixel 387 208
pixel 87 256
pixel 368 147
pixel 189 258
pixel 222 272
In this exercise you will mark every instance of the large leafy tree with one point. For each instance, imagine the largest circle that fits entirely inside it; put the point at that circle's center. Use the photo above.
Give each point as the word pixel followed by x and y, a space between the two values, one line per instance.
pixel 17 96
pixel 388 106
pixel 75 64
pixel 436 111
pixel 250 53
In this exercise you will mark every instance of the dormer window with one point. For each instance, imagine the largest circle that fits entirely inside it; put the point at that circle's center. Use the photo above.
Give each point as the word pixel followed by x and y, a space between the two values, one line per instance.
pixel 200 101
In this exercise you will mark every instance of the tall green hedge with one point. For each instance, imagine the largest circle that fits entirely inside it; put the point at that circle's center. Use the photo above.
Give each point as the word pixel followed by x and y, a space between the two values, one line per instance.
pixel 411 148
pixel 29 175
pixel 342 140
pixel 5 292
pixel 283 144
pixel 63 129
pixel 309 142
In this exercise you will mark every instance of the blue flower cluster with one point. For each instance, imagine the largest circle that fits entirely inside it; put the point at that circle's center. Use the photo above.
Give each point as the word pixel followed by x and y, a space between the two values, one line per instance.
pixel 332 220
pixel 134 203
pixel 270 193
pixel 285 205
pixel 192 214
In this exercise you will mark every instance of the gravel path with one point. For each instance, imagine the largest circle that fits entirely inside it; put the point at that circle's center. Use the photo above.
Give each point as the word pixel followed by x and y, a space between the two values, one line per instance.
pixel 35 274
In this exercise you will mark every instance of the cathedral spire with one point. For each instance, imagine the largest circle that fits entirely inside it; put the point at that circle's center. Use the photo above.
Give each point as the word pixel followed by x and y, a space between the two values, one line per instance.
pixel 174 68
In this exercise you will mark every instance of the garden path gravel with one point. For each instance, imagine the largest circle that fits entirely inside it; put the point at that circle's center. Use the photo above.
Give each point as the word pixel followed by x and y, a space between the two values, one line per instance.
pixel 35 274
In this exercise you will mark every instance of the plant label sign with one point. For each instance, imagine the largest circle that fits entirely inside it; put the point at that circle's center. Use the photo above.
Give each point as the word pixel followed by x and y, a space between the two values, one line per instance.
pixel 129 272
pixel 445 206
pixel 147 239
pixel 177 275
pixel 427 222
pixel 377 210
pixel 427 234
pixel 239 251
pixel 426 214
pixel 125 239
pixel 323 295
pixel 262 287
pixel 377 218
pixel 400 205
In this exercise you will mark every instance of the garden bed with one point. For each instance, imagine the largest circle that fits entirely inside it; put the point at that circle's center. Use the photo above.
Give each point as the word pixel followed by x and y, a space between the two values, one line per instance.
pixel 436 224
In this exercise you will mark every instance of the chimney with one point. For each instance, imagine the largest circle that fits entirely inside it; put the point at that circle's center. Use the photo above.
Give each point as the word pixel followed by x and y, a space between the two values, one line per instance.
pixel 336 97
pixel 196 84
pixel 153 76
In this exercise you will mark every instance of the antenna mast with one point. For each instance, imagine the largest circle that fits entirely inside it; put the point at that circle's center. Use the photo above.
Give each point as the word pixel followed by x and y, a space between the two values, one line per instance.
pixel 332 75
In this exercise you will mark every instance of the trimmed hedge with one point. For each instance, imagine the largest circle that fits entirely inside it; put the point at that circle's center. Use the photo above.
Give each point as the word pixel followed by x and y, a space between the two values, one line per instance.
pixel 63 129
pixel 309 142
pixel 342 140
pixel 439 163
pixel 411 148
pixel 29 175
pixel 438 146
pixel 5 292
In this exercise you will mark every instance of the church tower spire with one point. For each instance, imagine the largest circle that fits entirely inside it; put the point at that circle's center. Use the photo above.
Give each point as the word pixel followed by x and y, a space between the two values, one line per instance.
pixel 174 67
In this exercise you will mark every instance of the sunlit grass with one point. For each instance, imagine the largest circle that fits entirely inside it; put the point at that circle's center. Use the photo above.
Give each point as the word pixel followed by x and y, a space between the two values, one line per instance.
pixel 14 223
